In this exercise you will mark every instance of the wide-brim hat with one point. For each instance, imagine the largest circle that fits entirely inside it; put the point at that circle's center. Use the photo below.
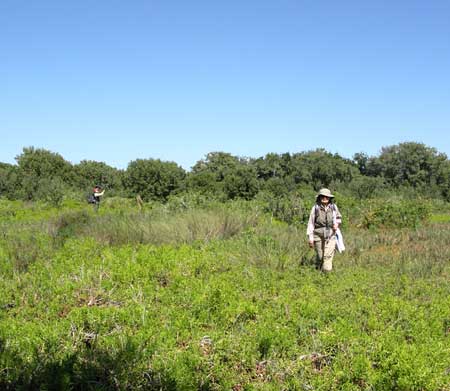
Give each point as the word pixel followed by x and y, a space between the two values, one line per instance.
pixel 324 192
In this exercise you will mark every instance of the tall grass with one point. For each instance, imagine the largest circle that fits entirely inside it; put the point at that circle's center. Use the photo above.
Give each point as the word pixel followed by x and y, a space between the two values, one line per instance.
pixel 219 298
pixel 155 227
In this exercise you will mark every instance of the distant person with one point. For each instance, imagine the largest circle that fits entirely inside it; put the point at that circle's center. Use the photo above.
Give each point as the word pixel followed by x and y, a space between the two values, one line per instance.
pixel 323 230
pixel 97 192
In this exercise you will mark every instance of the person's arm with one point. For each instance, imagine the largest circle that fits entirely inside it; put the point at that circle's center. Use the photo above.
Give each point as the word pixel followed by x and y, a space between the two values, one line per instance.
pixel 337 219
pixel 310 227
pixel 99 194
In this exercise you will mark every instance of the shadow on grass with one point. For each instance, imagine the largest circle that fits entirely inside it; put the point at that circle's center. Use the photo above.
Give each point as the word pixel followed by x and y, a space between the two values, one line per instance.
pixel 86 369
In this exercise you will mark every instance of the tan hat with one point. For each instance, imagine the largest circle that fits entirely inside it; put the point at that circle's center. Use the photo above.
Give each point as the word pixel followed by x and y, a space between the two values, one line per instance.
pixel 325 192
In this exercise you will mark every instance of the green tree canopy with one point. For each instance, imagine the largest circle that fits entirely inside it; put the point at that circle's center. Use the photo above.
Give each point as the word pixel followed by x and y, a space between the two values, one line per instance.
pixel 411 164
pixel 38 165
pixel 154 179
pixel 274 173
pixel 89 173
pixel 223 174
pixel 9 180
pixel 320 168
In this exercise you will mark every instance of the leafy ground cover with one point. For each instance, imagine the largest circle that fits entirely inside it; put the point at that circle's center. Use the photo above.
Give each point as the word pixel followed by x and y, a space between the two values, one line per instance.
pixel 220 298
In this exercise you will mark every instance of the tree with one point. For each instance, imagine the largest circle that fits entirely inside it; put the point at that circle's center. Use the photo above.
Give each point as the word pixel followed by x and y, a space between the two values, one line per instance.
pixel 154 179
pixel 207 175
pixel 218 163
pixel 411 164
pixel 274 173
pixel 241 183
pixel 361 159
pixel 9 181
pixel 51 190
pixel 270 166
pixel 364 187
pixel 223 174
pixel 89 173
pixel 37 164
pixel 320 168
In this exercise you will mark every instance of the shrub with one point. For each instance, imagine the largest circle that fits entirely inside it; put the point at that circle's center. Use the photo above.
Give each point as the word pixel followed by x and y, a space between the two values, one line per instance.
pixel 69 224
pixel 289 208
pixel 51 190
pixel 24 246
pixel 363 187
pixel 397 213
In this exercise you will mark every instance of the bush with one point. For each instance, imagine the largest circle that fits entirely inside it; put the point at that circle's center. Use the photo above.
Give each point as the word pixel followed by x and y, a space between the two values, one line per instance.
pixel 364 187
pixel 396 213
pixel 69 224
pixel 24 246
pixel 289 208
pixel 51 190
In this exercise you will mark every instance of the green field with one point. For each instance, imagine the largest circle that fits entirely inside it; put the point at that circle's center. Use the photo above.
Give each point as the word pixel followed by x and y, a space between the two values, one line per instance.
pixel 217 297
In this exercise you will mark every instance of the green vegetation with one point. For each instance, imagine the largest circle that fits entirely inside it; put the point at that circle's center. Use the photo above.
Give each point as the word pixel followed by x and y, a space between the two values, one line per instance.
pixel 203 280
pixel 408 169
pixel 197 294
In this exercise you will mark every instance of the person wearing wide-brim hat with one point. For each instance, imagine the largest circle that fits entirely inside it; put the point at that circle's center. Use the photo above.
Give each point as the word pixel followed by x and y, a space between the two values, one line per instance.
pixel 323 223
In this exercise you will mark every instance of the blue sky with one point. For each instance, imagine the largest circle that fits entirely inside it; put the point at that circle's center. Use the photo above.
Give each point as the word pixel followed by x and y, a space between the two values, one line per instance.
pixel 114 81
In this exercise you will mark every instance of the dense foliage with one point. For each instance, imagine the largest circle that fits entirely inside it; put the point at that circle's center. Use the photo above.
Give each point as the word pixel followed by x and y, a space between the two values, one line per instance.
pixel 153 179
pixel 407 168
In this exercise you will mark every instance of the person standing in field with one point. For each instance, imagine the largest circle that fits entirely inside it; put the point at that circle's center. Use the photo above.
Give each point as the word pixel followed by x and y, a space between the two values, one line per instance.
pixel 96 194
pixel 323 224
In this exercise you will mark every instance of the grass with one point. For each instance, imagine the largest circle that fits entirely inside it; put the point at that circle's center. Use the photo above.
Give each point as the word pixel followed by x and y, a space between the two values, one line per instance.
pixel 440 218
pixel 220 299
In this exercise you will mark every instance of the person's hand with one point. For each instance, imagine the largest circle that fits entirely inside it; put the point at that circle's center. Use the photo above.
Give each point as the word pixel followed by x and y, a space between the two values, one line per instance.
pixel 335 227
pixel 311 244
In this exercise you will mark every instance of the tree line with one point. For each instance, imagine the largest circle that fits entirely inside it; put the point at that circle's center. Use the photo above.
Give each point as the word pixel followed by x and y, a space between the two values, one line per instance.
pixel 409 167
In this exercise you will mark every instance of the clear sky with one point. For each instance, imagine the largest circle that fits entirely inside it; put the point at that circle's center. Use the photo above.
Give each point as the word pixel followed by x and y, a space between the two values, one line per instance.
pixel 115 80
